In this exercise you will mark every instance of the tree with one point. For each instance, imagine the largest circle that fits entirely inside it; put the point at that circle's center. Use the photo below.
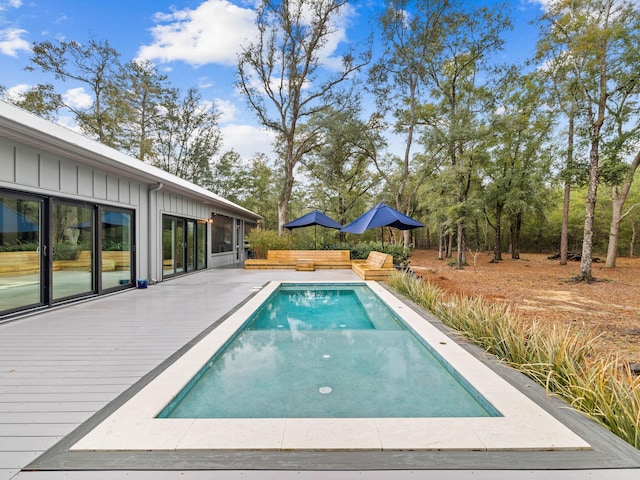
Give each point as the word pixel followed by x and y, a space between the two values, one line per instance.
pixel 459 109
pixel 340 172
pixel 144 91
pixel 41 100
pixel 600 39
pixel 564 93
pixel 619 194
pixel 412 32
pixel 187 138
pixel 281 76
pixel 519 160
pixel 94 66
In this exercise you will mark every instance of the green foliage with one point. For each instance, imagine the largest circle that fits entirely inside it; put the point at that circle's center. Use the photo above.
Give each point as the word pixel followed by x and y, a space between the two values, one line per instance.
pixel 114 246
pixel 260 241
pixel 66 251
pixel 560 359
pixel 360 251
pixel 188 137
pixel 20 247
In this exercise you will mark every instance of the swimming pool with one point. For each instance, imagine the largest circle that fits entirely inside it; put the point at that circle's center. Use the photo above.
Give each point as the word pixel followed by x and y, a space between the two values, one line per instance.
pixel 524 425
pixel 335 351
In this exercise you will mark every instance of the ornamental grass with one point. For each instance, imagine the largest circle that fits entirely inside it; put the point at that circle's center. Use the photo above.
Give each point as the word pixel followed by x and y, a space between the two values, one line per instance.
pixel 558 358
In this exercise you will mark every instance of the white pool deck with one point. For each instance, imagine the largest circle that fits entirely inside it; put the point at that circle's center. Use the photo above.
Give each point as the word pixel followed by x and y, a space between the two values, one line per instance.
pixel 85 361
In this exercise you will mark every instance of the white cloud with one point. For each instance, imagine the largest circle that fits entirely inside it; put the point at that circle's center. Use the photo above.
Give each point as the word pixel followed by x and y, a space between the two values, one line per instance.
pixel 70 123
pixel 210 33
pixel 11 41
pixel 247 140
pixel 10 3
pixel 226 109
pixel 77 98
pixel 17 91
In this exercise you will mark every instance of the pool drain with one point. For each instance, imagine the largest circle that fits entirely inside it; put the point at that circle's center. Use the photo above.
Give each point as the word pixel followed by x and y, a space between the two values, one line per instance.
pixel 324 390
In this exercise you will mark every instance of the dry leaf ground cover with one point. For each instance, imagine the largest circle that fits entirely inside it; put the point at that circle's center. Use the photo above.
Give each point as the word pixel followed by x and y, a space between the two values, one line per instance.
pixel 539 289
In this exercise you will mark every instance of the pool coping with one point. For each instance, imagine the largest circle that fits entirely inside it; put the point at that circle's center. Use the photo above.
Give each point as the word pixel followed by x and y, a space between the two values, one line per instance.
pixel 112 437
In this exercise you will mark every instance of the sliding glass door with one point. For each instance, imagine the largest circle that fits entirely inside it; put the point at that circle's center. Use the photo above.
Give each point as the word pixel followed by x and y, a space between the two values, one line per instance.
pixel 72 250
pixel 116 255
pixel 20 252
pixel 183 245
pixel 50 253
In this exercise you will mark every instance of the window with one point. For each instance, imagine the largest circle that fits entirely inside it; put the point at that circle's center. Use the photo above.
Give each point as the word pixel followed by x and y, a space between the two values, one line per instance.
pixel 221 234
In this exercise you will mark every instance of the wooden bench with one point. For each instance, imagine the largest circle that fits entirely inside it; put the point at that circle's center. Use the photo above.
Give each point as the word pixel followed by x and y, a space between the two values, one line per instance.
pixel 25 263
pixel 377 266
pixel 121 259
pixel 83 263
pixel 19 263
pixel 302 260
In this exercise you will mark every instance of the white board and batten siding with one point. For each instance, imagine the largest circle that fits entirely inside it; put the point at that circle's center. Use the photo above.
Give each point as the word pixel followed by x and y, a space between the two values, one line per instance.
pixel 40 157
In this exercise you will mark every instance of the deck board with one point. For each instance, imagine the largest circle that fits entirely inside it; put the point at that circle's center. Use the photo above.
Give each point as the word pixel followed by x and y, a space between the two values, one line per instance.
pixel 59 367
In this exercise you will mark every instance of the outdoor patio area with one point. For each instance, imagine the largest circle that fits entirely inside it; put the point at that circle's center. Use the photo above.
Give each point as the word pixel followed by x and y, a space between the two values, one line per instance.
pixel 60 368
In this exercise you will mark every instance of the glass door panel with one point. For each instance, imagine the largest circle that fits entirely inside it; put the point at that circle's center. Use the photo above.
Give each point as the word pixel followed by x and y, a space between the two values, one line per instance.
pixel 191 245
pixel 20 259
pixel 168 246
pixel 72 233
pixel 201 245
pixel 179 245
pixel 115 257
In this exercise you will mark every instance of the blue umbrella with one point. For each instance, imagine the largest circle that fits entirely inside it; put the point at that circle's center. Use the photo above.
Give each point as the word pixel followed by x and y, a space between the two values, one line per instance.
pixel 109 219
pixel 382 215
pixel 15 222
pixel 315 217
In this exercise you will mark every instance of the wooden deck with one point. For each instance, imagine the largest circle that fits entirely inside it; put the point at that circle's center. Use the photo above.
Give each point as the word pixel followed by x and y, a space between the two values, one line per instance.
pixel 60 367
pixel 57 369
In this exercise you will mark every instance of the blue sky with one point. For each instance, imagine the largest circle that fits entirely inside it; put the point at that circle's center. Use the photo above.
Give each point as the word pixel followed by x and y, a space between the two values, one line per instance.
pixel 194 42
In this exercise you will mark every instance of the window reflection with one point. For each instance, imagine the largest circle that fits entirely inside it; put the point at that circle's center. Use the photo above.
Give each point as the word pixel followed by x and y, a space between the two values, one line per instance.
pixel 221 234
pixel 116 249
pixel 19 253
pixel 72 250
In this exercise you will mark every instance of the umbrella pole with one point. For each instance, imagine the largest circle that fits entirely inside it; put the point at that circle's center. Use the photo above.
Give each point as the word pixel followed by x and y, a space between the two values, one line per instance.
pixel 315 237
pixel 382 230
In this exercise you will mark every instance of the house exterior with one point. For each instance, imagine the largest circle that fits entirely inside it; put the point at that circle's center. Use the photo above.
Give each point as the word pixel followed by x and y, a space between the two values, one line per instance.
pixel 79 219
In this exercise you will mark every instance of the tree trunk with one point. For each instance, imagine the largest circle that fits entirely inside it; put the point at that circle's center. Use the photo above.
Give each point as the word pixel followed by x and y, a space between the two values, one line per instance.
pixel 633 238
pixel 462 257
pixel 564 234
pixel 619 197
pixel 497 247
pixel 516 226
pixel 590 209
pixel 614 228
pixel 450 246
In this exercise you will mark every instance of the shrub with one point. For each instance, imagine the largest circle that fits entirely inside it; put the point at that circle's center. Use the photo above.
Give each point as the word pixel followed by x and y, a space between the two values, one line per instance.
pixel 65 251
pixel 560 359
pixel 361 251
pixel 260 241
pixel 20 247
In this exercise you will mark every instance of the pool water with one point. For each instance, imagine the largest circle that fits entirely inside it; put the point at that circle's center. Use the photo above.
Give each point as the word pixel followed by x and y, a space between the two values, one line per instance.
pixel 317 351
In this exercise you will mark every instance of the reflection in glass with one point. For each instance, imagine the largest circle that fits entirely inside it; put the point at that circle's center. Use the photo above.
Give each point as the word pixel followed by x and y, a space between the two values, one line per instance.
pixel 116 249
pixel 72 249
pixel 179 245
pixel 191 245
pixel 19 253
pixel 201 247
pixel 221 234
pixel 168 245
